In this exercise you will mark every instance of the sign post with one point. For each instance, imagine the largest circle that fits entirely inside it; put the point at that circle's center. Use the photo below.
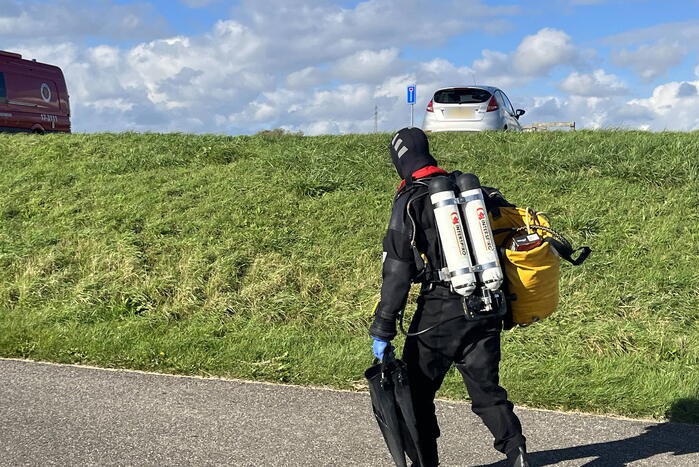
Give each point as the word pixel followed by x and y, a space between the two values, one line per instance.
pixel 411 100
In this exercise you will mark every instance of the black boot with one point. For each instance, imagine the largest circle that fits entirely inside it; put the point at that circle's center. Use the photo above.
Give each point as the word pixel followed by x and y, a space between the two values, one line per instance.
pixel 518 457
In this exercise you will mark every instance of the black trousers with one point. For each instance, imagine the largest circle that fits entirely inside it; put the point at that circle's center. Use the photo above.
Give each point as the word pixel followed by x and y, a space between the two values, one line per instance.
pixel 474 347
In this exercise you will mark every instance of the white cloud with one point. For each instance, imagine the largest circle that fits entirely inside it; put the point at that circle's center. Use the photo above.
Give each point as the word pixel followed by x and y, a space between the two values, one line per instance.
pixel 684 32
pixel 440 72
pixel 586 112
pixel 595 84
pixel 651 61
pixel 537 54
pixel 35 20
pixel 671 106
pixel 104 56
pixel 354 100
pixel 161 85
pixel 368 65
pixel 495 68
pixel 220 64
pixel 298 34
pixel 306 78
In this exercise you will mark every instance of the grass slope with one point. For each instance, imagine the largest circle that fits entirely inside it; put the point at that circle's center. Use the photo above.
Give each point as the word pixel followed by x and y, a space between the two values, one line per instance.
pixel 259 257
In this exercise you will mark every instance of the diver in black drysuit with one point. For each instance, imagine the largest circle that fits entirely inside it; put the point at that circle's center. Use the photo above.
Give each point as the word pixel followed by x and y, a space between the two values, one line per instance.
pixel 474 346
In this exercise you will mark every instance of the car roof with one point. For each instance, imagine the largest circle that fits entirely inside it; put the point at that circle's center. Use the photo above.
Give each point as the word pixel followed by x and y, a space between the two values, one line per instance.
pixel 490 89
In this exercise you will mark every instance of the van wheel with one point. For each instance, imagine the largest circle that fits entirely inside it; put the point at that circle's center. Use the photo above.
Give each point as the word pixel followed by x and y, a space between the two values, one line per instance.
pixel 37 132
pixel 505 128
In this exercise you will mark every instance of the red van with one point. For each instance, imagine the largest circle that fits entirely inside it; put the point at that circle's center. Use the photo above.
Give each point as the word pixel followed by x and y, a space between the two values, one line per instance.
pixel 33 96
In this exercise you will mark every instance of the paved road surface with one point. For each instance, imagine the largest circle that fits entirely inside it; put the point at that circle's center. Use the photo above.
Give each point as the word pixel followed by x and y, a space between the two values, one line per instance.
pixel 67 415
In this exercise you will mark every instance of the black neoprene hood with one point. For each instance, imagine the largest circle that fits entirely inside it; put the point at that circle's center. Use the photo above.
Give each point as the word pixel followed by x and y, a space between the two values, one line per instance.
pixel 410 151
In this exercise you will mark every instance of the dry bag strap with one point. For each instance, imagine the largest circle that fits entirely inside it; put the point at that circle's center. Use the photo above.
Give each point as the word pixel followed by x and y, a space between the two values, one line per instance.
pixel 562 246
pixel 566 252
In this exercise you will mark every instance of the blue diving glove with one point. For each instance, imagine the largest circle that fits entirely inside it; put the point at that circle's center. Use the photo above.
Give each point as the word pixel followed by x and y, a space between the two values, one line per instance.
pixel 379 347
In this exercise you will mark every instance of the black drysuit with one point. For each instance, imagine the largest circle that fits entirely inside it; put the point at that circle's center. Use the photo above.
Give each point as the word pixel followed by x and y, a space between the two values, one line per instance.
pixel 473 346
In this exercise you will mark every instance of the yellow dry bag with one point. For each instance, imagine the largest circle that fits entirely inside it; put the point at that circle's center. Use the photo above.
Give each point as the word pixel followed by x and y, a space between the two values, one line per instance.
pixel 532 274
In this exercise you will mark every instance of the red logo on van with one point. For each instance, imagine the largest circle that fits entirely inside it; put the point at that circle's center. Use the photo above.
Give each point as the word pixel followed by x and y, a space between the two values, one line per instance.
pixel 454 218
pixel 481 214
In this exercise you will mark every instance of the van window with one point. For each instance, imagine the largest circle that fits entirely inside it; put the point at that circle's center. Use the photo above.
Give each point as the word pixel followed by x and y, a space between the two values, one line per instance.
pixel 3 89
pixel 461 96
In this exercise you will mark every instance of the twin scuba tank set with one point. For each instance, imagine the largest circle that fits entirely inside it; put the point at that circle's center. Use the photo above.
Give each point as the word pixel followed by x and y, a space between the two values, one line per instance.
pixel 468 245
pixel 526 286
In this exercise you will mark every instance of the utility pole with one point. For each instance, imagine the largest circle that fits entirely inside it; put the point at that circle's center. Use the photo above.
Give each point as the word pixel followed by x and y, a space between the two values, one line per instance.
pixel 376 118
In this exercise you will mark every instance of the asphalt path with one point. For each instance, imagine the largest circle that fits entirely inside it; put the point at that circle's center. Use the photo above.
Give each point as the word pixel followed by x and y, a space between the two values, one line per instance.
pixel 69 415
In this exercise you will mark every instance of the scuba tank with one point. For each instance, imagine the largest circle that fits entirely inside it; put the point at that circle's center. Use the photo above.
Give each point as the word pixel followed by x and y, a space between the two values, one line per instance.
pixel 461 267
pixel 479 231
pixel 452 235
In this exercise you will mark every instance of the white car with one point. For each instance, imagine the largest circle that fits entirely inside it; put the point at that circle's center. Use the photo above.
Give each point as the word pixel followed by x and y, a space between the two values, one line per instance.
pixel 472 108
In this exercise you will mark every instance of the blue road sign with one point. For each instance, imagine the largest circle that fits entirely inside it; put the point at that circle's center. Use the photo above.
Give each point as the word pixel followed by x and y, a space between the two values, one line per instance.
pixel 411 94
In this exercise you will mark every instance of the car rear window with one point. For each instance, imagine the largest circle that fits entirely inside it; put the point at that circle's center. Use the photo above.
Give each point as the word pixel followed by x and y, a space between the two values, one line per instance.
pixel 461 96
pixel 3 90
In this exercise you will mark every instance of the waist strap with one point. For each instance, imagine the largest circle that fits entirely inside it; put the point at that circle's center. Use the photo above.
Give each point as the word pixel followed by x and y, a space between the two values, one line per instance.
pixel 440 290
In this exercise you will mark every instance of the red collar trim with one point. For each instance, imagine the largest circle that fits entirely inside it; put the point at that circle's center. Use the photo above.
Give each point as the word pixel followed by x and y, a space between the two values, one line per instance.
pixel 425 172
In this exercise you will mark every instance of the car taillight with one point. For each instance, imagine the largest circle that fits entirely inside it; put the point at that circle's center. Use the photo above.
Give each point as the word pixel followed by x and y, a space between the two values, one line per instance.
pixel 492 105
pixel 429 106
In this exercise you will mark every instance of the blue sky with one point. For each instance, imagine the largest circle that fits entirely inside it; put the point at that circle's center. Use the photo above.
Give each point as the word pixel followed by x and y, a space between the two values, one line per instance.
pixel 321 66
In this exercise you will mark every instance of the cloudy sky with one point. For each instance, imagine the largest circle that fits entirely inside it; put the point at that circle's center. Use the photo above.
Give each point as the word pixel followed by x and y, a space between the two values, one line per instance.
pixel 321 66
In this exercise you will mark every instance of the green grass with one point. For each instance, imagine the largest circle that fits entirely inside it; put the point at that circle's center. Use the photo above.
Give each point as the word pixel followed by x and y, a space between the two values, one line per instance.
pixel 259 257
